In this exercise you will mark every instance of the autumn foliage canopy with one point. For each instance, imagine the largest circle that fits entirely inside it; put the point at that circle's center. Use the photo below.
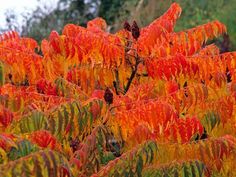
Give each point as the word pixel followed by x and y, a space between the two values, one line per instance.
pixel 141 102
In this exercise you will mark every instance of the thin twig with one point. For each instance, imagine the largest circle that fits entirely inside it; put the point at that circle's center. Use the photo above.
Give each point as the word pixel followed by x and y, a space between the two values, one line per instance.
pixel 115 86
pixel 134 71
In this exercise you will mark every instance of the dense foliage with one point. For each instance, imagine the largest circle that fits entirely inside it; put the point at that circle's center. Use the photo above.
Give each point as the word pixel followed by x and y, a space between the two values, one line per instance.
pixel 140 102
pixel 44 19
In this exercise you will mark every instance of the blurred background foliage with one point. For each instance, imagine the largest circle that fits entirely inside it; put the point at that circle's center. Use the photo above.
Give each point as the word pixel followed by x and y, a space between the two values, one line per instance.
pixel 195 12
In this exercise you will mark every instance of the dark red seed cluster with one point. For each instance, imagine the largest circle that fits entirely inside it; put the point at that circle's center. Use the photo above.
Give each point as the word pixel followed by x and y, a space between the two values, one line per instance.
pixel 127 26
pixel 74 144
pixel 135 30
pixel 108 96
pixel 10 76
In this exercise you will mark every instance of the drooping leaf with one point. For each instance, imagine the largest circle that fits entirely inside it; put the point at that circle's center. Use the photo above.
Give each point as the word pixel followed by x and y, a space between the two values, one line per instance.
pixel 178 169
pixel 23 148
pixel 42 163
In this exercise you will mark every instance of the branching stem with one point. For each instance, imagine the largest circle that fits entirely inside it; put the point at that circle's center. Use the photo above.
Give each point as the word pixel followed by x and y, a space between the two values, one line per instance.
pixel 133 73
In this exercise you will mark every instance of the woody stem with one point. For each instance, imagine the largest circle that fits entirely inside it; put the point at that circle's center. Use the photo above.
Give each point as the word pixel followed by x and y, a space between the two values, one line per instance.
pixel 134 71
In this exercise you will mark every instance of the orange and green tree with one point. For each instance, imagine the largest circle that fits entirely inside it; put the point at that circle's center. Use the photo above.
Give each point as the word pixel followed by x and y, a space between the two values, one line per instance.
pixel 141 102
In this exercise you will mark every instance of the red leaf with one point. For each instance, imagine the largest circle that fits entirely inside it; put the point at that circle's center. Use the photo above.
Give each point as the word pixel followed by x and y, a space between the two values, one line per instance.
pixel 6 116
pixel 43 139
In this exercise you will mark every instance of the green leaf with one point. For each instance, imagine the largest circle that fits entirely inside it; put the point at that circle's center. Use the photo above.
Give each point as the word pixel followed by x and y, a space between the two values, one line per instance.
pixel 139 166
pixel 35 121
pixel 2 74
pixel 186 172
pixel 211 120
pixel 132 161
pixel 176 169
pixel 42 163
pixel 24 148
